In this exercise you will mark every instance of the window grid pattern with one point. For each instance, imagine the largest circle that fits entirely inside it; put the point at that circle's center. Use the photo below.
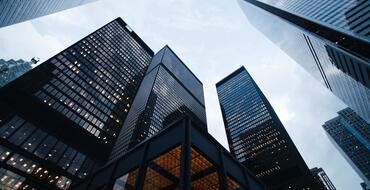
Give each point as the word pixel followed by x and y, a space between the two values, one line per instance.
pixel 12 12
pixel 19 132
pixel 166 102
pixel 348 77
pixel 11 69
pixel 204 174
pixel 256 138
pixel 351 134
pixel 349 16
pixel 95 80
pixel 10 180
pixel 164 171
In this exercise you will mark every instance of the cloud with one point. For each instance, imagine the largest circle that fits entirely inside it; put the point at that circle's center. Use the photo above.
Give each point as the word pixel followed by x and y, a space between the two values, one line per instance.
pixel 22 41
pixel 213 39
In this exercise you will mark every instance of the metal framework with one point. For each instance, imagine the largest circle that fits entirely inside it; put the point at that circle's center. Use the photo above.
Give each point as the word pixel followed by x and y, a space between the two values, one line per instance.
pixel 179 157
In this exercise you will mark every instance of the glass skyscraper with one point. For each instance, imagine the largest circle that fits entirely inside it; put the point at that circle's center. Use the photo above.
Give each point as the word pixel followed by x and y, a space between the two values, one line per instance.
pixel 322 179
pixel 330 39
pixel 256 136
pixel 181 156
pixel 12 69
pixel 15 11
pixel 59 121
pixel 168 92
pixel 351 135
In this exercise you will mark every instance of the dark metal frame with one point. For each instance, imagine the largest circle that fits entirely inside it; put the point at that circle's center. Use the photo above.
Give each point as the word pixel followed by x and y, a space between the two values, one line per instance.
pixel 182 132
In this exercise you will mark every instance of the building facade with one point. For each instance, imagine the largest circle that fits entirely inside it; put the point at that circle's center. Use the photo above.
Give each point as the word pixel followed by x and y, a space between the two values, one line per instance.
pixel 168 91
pixel 59 121
pixel 12 69
pixel 364 186
pixel 256 136
pixel 321 179
pixel 329 39
pixel 182 156
pixel 351 135
pixel 12 12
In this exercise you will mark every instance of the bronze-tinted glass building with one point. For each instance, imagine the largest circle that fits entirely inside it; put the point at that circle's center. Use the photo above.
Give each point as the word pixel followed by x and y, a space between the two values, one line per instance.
pixel 256 136
pixel 60 121
pixel 181 156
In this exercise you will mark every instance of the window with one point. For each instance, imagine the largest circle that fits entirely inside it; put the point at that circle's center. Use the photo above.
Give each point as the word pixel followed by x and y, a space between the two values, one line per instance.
pixel 204 174
pixel 127 181
pixel 232 184
pixel 164 171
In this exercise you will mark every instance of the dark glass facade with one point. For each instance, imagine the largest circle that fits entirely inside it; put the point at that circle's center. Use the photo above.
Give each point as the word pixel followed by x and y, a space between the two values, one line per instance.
pixel 256 136
pixel 59 121
pixel 321 179
pixel 12 69
pixel 182 156
pixel 12 12
pixel 168 91
pixel 329 39
pixel 351 135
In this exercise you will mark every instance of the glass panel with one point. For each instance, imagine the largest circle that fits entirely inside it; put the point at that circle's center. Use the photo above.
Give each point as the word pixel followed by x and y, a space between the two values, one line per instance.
pixel 22 163
pixel 23 133
pixel 233 185
pixel 43 149
pixel 127 181
pixel 203 173
pixel 4 153
pixel 10 180
pixel 10 127
pixel 164 171
pixel 31 143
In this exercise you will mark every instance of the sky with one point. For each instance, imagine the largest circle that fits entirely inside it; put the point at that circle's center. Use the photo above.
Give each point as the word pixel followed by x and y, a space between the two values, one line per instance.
pixel 213 38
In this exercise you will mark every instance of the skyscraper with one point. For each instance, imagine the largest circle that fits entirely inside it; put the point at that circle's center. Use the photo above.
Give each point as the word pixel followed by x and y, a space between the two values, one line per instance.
pixel 59 121
pixel 256 136
pixel 181 156
pixel 330 39
pixel 12 12
pixel 351 135
pixel 321 179
pixel 12 69
pixel 168 91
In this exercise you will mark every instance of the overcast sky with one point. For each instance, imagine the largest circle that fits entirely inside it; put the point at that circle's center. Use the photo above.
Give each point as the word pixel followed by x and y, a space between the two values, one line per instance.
pixel 213 38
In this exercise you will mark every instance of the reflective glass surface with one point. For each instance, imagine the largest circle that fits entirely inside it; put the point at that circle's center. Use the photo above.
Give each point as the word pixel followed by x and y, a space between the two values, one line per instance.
pixel 11 69
pixel 161 99
pixel 350 133
pixel 350 16
pixel 95 80
pixel 127 181
pixel 256 136
pixel 19 132
pixel 12 12
pixel 346 74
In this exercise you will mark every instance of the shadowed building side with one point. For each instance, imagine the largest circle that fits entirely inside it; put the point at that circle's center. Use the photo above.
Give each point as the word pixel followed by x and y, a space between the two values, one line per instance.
pixel 59 121
pixel 169 90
